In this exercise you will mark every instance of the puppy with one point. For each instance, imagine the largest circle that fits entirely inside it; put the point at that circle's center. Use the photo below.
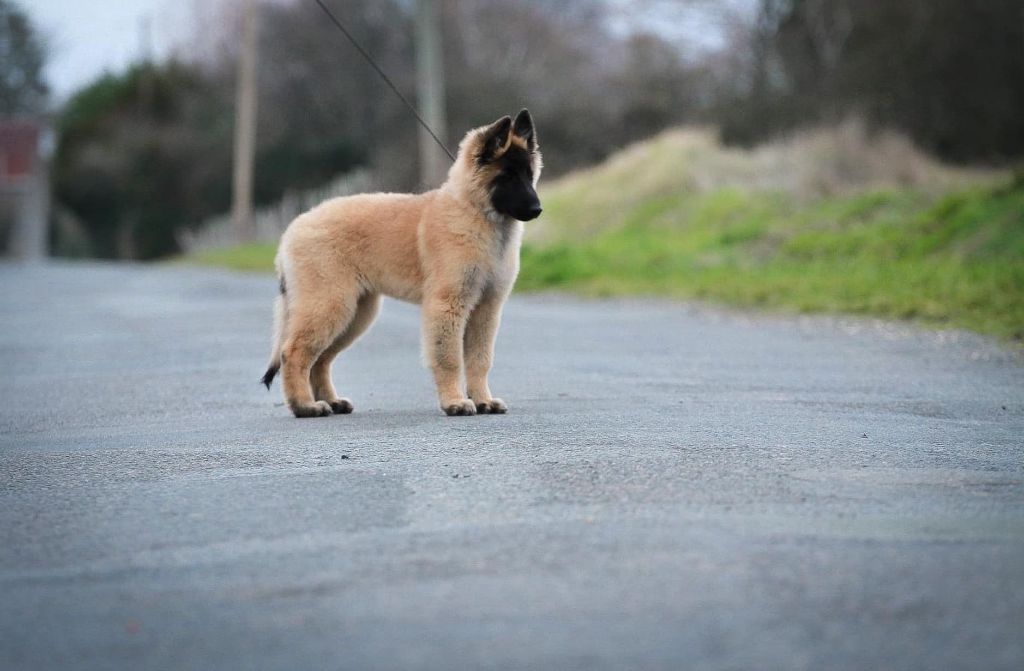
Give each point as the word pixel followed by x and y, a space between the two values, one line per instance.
pixel 454 251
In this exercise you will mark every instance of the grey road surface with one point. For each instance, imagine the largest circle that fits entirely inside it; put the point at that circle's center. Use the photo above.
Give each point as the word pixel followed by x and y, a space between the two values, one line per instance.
pixel 675 487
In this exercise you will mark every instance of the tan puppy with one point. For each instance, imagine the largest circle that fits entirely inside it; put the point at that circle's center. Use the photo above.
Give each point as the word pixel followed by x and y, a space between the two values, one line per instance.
pixel 454 250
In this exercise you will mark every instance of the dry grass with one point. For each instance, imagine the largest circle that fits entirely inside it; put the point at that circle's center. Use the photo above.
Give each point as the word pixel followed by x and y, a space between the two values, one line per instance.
pixel 810 165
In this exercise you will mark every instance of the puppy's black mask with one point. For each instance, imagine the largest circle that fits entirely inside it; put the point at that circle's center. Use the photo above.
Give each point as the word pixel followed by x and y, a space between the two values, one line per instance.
pixel 512 191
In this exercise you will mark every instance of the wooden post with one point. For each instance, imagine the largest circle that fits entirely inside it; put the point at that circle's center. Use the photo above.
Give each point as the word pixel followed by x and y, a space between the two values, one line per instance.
pixel 430 93
pixel 245 128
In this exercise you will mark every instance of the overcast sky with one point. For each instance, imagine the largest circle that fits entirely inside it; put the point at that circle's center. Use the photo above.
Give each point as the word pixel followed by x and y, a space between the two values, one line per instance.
pixel 88 37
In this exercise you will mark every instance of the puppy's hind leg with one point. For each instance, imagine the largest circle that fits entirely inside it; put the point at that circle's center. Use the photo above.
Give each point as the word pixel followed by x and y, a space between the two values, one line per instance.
pixel 320 375
pixel 313 325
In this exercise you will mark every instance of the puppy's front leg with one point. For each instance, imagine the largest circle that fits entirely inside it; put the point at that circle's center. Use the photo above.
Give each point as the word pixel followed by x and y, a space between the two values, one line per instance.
pixel 479 341
pixel 444 323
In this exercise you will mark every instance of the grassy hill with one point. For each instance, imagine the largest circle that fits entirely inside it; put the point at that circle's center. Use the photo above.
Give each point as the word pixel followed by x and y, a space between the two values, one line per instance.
pixel 831 221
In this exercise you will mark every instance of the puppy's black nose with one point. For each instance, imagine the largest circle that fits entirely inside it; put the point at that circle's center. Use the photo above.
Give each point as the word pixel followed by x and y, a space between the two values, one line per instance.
pixel 533 212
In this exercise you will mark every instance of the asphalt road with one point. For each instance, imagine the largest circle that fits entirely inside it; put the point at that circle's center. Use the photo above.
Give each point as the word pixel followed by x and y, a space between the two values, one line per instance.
pixel 675 487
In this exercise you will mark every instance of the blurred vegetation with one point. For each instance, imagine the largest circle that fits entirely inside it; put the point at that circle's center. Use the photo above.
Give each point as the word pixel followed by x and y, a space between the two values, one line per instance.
pixel 146 154
pixel 947 73
pixel 130 164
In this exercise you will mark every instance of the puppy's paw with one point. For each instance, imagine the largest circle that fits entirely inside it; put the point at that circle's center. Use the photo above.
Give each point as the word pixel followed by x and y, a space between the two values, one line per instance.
pixel 495 406
pixel 463 407
pixel 315 409
pixel 341 406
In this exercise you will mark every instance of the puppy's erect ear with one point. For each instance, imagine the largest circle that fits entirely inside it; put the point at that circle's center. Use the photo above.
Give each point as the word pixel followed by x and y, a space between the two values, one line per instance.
pixel 495 139
pixel 523 127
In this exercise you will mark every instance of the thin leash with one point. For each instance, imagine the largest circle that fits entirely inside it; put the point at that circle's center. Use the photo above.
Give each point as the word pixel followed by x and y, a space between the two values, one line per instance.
pixel 387 80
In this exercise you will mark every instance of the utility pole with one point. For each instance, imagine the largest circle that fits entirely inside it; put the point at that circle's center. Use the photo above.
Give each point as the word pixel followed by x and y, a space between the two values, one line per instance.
pixel 245 127
pixel 430 92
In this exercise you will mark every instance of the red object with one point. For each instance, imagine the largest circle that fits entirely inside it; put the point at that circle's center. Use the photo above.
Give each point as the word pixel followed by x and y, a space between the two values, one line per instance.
pixel 19 147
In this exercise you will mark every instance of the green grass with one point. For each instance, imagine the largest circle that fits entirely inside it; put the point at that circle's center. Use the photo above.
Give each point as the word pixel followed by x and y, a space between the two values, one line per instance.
pixel 954 260
pixel 907 253
pixel 256 257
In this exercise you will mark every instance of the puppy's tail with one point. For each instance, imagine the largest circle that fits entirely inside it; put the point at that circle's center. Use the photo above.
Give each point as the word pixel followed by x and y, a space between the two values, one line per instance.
pixel 280 325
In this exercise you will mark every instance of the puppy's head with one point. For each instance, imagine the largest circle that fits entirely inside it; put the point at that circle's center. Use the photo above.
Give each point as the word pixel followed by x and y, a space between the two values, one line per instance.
pixel 500 164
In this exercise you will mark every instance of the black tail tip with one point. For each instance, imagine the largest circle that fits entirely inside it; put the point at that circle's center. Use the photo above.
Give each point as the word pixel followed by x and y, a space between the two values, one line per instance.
pixel 268 377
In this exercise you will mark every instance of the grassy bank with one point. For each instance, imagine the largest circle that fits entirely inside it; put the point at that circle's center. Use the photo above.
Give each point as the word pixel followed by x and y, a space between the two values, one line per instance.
pixel 821 225
pixel 958 260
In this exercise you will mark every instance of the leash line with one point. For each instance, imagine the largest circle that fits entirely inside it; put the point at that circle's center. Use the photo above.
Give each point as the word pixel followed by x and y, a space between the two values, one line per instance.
pixel 387 80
